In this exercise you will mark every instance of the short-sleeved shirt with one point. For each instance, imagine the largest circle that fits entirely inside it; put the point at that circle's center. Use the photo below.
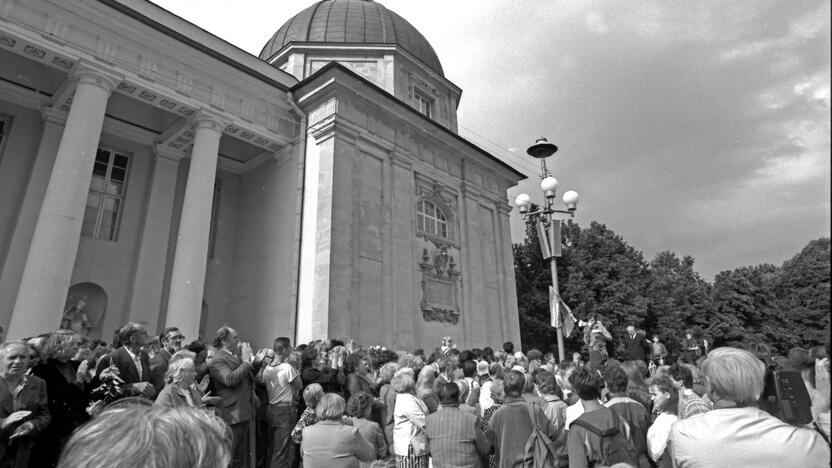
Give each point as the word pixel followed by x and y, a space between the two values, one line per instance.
pixel 279 383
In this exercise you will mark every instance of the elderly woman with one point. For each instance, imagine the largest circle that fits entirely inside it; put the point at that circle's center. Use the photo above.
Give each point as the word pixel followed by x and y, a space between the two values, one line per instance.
pixel 331 444
pixel 388 396
pixel 24 408
pixel 736 432
pixel 312 395
pixel 359 379
pixel 130 435
pixel 66 386
pixel 498 395
pixel 180 388
pixel 359 408
pixel 409 437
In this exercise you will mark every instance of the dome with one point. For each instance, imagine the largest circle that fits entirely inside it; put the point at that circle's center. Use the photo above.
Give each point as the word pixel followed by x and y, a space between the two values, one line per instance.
pixel 352 22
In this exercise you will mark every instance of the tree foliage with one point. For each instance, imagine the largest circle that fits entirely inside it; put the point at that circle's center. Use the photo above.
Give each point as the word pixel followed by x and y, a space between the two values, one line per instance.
pixel 600 274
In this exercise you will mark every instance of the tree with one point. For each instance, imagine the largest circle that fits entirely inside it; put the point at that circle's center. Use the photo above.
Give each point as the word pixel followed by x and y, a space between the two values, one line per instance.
pixel 598 273
pixel 678 298
pixel 802 291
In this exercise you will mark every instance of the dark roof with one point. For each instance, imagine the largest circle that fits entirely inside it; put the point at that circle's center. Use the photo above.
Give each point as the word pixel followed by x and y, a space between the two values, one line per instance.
pixel 352 22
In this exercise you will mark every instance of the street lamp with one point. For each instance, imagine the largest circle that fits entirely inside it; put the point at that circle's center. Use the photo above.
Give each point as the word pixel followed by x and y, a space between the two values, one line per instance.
pixel 548 227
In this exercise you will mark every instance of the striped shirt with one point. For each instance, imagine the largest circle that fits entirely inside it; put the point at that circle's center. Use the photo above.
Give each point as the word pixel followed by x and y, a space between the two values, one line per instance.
pixel 454 439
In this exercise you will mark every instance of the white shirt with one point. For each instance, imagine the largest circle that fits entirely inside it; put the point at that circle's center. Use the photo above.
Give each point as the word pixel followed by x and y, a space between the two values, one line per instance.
pixel 137 360
pixel 485 397
pixel 278 381
pixel 658 433
pixel 573 411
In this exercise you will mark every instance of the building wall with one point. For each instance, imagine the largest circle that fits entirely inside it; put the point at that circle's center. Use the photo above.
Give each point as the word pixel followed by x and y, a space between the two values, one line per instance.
pixel 111 264
pixel 26 156
pixel 262 288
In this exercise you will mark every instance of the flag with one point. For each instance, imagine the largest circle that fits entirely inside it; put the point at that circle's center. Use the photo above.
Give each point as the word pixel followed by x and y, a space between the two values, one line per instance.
pixel 557 308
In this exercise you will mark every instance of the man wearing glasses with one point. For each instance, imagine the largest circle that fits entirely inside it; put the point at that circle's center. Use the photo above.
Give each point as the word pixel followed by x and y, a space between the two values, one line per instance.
pixel 171 339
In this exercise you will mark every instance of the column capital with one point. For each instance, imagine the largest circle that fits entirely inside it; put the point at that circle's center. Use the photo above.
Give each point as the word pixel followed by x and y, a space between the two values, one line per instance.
pixel 205 119
pixel 90 73
pixel 163 152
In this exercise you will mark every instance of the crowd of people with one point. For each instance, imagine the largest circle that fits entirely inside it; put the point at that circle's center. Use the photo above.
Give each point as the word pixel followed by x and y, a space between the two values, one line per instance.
pixel 155 401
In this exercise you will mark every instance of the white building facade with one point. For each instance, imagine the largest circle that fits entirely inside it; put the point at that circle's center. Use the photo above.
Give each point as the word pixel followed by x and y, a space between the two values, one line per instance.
pixel 151 172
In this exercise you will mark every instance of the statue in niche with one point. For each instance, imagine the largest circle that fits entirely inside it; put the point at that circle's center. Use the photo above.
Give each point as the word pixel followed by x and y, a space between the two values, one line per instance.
pixel 440 260
pixel 76 319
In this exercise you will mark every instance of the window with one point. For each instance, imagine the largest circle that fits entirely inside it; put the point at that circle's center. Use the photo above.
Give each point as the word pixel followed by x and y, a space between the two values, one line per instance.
pixel 431 219
pixel 424 105
pixel 105 201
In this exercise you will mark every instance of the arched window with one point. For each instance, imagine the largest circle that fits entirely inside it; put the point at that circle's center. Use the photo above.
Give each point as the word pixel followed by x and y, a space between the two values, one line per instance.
pixel 431 219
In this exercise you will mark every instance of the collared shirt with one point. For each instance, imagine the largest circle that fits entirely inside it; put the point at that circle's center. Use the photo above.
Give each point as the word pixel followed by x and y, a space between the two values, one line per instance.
pixel 745 437
pixel 137 360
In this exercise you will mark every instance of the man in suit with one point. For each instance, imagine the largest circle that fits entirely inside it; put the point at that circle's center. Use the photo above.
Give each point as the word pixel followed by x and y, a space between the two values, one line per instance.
pixel 133 364
pixel 171 339
pixel 453 436
pixel 635 345
pixel 232 373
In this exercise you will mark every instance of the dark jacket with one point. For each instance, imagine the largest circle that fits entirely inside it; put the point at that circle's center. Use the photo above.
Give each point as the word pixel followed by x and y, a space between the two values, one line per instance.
pixel 32 397
pixel 126 367
pixel 635 348
pixel 233 381
pixel 67 407
pixel 454 439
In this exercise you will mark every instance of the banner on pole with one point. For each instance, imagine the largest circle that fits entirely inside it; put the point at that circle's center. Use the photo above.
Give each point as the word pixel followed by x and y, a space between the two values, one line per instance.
pixel 561 314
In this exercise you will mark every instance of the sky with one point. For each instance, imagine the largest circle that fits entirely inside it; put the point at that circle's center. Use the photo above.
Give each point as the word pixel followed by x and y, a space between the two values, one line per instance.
pixel 700 127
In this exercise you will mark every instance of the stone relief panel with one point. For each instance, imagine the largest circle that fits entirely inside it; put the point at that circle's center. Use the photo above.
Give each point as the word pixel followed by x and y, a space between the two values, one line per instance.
pixel 436 212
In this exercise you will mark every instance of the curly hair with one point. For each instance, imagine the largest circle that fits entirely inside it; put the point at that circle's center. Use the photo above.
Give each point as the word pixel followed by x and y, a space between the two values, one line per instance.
pixel 385 374
pixel 58 342
pixel 359 404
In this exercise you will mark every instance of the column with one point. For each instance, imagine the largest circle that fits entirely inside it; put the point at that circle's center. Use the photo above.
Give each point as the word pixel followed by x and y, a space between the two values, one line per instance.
pixel 191 258
pixel 51 258
pixel 405 309
pixel 148 280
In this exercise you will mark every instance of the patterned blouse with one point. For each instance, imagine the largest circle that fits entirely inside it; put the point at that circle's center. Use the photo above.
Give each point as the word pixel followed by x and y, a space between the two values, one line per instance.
pixel 307 418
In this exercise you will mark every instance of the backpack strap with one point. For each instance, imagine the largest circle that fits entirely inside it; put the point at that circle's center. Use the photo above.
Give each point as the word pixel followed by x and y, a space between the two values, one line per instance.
pixel 598 432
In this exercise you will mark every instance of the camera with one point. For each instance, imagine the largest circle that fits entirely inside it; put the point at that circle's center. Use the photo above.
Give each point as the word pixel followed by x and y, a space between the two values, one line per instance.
pixel 784 393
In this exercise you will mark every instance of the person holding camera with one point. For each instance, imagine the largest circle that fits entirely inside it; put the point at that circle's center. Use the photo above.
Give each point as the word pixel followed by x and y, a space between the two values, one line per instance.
pixel 736 432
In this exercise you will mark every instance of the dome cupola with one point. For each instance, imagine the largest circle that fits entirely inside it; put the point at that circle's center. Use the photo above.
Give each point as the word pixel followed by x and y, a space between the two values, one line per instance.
pixel 353 22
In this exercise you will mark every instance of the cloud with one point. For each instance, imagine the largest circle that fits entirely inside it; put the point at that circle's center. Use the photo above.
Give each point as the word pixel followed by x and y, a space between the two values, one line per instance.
pixel 700 127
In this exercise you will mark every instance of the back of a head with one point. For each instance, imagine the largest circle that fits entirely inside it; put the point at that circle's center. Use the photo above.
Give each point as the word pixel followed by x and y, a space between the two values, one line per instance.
pixel 586 383
pixel 449 394
pixel 681 373
pixel 734 375
pixel 282 346
pixel 514 381
pixel 331 407
pixel 546 383
pixel 508 347
pixel 469 368
pixel 138 436
pixel 616 380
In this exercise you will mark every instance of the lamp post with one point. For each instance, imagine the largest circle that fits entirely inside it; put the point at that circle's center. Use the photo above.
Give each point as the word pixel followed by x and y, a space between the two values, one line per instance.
pixel 548 227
